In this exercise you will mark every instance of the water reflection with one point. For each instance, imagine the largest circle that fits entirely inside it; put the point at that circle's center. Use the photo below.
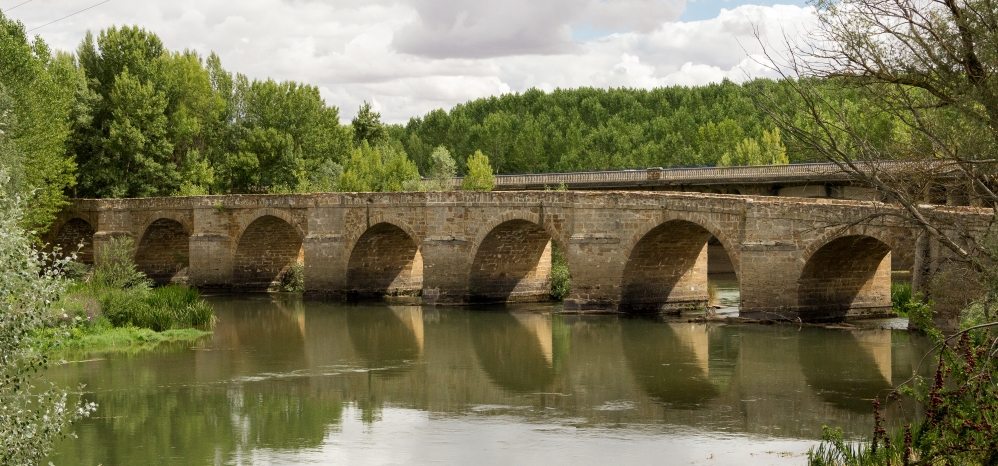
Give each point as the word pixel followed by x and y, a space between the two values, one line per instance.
pixel 290 377
pixel 848 368
pixel 515 349
pixel 670 361
pixel 387 338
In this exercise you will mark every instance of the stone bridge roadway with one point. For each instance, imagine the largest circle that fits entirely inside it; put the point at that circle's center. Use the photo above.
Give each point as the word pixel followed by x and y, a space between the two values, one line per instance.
pixel 817 259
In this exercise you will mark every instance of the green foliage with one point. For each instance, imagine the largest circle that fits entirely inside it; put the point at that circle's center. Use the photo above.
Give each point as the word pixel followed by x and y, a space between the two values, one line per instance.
pixel 32 417
pixel 959 423
pixel 116 268
pixel 154 122
pixel 293 280
pixel 367 126
pixel 37 104
pixel 102 337
pixel 479 176
pixel 607 129
pixel 117 291
pixel 561 279
pixel 384 168
pixel 441 170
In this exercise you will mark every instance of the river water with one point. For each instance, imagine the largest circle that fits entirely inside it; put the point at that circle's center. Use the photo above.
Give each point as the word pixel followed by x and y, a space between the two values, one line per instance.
pixel 287 381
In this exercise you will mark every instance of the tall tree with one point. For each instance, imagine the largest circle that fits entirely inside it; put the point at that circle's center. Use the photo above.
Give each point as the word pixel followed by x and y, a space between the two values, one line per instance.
pixel 367 126
pixel 442 169
pixel 39 89
pixel 479 176
pixel 126 149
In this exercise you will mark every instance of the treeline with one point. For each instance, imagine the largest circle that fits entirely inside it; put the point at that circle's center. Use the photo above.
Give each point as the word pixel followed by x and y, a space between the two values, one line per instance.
pixel 125 117
pixel 608 129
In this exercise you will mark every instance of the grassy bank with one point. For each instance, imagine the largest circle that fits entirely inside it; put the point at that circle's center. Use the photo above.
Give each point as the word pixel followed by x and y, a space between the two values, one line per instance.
pixel 114 307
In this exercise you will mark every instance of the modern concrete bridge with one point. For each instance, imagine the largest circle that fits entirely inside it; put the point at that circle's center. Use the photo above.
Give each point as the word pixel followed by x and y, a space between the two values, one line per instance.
pixel 816 180
pixel 816 259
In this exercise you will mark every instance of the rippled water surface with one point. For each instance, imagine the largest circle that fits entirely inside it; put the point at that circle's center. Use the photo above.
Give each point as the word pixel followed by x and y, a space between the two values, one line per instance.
pixel 289 381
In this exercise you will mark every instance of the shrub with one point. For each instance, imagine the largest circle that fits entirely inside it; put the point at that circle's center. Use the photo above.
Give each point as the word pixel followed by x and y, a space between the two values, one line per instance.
pixel 117 268
pixel 159 309
pixel 293 279
pixel 561 279
pixel 900 297
pixel 32 418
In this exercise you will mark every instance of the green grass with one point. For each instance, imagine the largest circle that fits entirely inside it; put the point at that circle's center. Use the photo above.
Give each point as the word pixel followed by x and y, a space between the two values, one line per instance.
pixel 130 339
pixel 101 337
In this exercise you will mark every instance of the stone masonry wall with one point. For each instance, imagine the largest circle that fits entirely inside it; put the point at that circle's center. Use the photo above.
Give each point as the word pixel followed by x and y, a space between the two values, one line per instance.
pixel 74 234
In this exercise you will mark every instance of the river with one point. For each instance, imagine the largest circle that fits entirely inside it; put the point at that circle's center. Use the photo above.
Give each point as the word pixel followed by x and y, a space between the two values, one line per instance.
pixel 285 381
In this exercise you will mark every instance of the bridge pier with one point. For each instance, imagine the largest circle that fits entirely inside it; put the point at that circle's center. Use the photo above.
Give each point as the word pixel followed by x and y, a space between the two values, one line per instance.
pixel 596 272
pixel 210 260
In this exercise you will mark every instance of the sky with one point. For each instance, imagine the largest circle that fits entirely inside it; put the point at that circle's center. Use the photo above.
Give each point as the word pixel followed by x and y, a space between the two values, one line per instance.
pixel 408 57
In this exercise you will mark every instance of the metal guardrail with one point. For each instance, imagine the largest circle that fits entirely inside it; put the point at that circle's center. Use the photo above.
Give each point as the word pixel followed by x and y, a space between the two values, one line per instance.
pixel 697 175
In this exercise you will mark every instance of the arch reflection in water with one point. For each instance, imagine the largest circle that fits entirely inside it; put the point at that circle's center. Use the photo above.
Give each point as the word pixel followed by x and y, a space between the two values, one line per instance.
pixel 516 350
pixel 388 338
pixel 673 362
pixel 282 376
pixel 847 369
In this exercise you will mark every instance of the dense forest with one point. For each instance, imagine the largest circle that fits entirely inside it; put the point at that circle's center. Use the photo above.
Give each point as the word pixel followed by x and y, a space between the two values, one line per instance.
pixel 123 116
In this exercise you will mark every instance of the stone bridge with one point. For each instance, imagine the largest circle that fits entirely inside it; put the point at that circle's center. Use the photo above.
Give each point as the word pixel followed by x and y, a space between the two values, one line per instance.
pixel 816 259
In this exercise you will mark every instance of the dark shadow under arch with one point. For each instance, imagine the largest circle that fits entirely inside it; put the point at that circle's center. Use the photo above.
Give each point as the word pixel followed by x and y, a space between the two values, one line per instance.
pixel 666 270
pixel 76 235
pixel 512 263
pixel 266 250
pixel 848 276
pixel 384 262
pixel 163 251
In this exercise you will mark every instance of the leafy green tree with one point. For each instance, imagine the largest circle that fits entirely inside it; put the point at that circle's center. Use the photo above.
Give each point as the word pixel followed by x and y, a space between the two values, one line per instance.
pixel 385 168
pixel 479 176
pixel 39 90
pixel 442 169
pixel 139 155
pixel 773 150
pixel 367 126
pixel 125 150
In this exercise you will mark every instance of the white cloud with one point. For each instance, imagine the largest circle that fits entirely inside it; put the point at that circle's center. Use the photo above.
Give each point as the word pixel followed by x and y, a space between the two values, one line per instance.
pixel 411 56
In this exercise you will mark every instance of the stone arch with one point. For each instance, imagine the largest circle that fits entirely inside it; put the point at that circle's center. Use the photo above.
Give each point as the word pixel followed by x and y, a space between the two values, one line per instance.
pixel 845 276
pixel 163 251
pixel 666 268
pixel 183 220
pixel 512 262
pixel 720 235
pixel 508 216
pixel 385 261
pixel 282 214
pixel 265 251
pixel 76 233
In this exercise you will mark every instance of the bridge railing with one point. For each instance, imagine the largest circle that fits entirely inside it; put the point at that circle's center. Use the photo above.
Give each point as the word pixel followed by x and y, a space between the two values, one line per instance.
pixel 696 175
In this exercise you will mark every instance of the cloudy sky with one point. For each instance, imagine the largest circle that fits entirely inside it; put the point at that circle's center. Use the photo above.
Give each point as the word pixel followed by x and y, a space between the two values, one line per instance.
pixel 410 56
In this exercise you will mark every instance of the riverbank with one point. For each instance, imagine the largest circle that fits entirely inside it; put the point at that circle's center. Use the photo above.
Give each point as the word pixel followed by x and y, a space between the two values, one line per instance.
pixel 94 339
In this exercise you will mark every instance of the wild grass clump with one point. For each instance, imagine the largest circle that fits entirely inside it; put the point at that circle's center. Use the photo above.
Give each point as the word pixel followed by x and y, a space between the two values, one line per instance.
pixel 158 309
pixel 907 303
